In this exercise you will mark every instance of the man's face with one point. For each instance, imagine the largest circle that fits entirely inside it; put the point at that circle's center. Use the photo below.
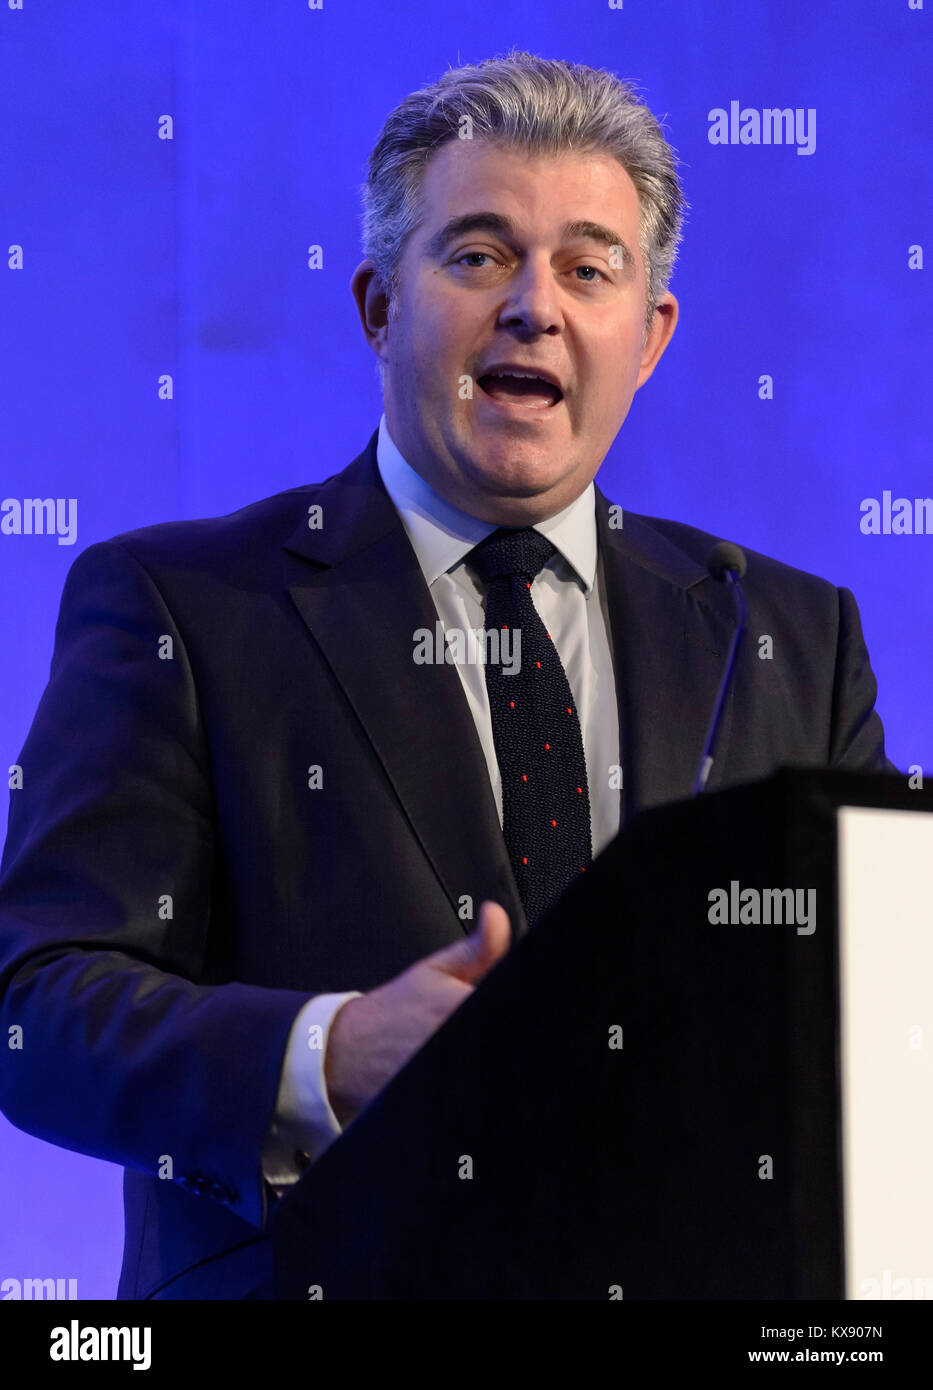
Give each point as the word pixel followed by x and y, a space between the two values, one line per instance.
pixel 546 277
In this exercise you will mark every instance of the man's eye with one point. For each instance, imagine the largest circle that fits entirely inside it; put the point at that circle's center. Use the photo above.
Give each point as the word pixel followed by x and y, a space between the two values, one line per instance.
pixel 590 279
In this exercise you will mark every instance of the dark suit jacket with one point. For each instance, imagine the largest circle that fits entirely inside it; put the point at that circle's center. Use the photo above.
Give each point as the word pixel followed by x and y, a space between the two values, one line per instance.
pixel 156 1033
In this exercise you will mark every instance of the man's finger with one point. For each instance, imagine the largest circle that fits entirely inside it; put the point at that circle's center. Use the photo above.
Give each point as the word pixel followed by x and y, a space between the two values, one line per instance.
pixel 469 960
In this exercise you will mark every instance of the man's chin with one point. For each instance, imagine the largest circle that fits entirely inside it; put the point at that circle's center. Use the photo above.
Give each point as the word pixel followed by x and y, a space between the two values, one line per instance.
pixel 512 492
pixel 512 476
pixel 510 465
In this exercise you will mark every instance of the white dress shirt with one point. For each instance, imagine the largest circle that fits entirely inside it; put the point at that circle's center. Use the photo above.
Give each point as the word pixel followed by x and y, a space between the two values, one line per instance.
pixel 570 599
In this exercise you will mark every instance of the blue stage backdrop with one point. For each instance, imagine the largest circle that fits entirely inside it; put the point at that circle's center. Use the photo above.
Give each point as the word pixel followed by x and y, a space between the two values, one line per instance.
pixel 169 351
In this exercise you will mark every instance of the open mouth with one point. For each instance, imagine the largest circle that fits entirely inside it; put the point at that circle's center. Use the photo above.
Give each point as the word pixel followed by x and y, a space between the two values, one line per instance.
pixel 531 391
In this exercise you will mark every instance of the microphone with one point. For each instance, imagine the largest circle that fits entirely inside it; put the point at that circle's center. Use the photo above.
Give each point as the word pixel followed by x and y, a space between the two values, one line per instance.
pixel 726 563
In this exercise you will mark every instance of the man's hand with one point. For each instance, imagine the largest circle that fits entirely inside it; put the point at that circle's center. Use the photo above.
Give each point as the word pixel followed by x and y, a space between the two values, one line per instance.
pixel 372 1037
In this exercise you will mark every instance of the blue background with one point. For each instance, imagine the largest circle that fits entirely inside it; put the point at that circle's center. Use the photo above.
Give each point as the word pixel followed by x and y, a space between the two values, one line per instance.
pixel 144 256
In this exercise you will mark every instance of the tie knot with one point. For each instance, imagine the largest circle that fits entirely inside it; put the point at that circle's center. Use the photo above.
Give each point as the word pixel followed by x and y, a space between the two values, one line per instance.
pixel 510 550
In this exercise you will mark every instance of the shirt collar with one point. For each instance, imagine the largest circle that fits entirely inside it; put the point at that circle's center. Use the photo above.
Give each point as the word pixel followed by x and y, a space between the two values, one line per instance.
pixel 441 534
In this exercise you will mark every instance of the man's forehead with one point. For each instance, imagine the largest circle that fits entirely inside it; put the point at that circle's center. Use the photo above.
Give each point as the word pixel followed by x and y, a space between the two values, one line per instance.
pixel 473 190
pixel 459 163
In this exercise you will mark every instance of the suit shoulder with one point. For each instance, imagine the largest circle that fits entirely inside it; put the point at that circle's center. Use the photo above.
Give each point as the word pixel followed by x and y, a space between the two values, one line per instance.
pixel 763 570
pixel 228 544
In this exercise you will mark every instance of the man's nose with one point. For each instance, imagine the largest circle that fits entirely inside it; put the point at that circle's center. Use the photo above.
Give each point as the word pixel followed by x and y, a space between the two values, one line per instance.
pixel 533 301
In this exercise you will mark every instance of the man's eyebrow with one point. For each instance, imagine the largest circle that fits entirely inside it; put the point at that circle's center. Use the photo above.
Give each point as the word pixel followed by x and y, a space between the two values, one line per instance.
pixel 504 227
pixel 469 222
pixel 595 231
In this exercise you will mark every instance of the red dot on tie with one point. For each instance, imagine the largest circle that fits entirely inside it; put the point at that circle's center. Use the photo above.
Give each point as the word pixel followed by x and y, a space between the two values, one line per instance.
pixel 580 790
pixel 527 585
pixel 548 636
pixel 547 745
pixel 524 776
pixel 582 870
pixel 569 710
pixel 524 861
pixel 538 664
pixel 505 627
pixel 511 704
pixel 553 822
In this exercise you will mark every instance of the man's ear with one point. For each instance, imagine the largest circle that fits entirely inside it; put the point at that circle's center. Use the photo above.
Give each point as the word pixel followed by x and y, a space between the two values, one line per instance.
pixel 373 306
pixel 663 323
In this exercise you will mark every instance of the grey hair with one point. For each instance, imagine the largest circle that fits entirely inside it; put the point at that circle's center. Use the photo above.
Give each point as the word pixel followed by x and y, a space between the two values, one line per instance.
pixel 542 106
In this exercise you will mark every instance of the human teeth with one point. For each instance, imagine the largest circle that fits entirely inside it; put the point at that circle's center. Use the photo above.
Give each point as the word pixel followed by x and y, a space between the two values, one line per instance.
pixel 537 394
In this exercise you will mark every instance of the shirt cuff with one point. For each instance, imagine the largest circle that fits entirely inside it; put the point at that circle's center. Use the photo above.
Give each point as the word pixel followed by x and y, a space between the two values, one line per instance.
pixel 304 1125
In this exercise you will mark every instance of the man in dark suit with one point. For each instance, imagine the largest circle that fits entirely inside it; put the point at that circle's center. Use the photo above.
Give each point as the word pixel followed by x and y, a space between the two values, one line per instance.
pixel 264 844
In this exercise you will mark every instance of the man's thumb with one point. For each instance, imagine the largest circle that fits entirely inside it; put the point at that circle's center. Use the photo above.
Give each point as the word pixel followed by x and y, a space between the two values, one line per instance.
pixel 471 958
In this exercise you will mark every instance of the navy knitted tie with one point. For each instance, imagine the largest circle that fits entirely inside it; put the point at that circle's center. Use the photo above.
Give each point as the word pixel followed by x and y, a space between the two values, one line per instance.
pixel 535 727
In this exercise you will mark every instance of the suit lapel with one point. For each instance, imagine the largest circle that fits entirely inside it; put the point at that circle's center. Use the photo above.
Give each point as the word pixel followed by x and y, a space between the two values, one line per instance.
pixel 670 626
pixel 357 585
pixel 359 588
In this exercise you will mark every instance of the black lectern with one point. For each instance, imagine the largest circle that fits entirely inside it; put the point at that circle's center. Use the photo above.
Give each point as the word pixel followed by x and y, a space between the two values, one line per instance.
pixel 641 1101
